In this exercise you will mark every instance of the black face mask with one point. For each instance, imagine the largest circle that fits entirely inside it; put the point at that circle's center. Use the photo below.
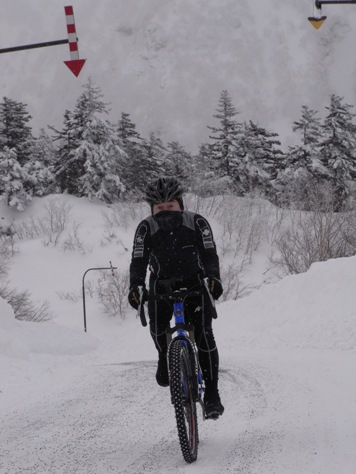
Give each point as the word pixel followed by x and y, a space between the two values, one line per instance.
pixel 169 220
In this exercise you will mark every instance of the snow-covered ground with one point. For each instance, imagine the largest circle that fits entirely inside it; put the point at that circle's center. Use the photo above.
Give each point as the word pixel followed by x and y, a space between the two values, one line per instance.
pixel 76 402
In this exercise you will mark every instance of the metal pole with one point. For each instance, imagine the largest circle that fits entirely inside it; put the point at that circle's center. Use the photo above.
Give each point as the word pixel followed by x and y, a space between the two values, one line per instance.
pixel 84 309
pixel 318 3
pixel 83 290
pixel 33 46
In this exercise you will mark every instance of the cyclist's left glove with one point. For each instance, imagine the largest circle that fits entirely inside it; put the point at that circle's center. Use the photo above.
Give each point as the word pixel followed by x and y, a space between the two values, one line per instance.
pixel 215 287
pixel 134 296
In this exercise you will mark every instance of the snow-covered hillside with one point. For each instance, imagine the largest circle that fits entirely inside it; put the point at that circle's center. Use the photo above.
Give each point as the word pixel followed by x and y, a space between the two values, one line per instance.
pixel 166 62
pixel 76 402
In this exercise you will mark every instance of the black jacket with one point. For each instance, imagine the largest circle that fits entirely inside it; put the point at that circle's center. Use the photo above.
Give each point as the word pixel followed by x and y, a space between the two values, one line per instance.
pixel 183 248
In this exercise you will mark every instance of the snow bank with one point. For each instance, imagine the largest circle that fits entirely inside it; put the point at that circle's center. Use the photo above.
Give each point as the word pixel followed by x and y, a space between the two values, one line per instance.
pixel 11 344
pixel 20 339
pixel 315 310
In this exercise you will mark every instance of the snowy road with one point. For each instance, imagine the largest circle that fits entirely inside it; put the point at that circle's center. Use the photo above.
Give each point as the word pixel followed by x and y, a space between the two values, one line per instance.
pixel 87 403
pixel 283 415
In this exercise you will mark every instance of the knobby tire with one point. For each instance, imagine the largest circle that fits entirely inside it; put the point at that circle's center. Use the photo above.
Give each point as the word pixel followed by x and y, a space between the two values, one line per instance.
pixel 183 399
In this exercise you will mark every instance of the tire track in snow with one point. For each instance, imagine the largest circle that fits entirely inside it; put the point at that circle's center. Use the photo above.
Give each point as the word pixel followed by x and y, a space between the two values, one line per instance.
pixel 115 418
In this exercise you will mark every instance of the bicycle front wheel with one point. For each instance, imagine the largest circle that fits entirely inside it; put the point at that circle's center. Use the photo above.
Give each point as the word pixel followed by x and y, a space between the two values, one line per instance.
pixel 182 392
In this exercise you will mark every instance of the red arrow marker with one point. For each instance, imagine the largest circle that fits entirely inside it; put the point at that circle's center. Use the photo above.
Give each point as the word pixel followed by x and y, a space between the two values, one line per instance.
pixel 75 64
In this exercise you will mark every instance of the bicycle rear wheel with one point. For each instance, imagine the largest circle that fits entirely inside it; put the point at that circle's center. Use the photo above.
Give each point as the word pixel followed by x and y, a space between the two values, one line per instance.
pixel 183 399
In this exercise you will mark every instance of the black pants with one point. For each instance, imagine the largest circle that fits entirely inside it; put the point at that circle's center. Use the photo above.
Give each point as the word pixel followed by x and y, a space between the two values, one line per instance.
pixel 198 312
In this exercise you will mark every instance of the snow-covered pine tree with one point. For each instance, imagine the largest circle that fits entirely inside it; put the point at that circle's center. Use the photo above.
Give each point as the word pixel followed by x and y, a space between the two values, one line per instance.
pixel 91 156
pixel 127 130
pixel 15 133
pixel 262 159
pixel 178 163
pixel 150 164
pixel 41 165
pixel 302 167
pixel 65 176
pixel 225 144
pixel 133 146
pixel 202 171
pixel 338 147
pixel 308 126
pixel 12 179
pixel 145 162
pixel 16 149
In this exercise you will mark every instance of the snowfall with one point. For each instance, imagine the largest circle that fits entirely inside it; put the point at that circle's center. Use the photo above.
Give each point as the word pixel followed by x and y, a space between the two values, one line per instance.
pixel 87 402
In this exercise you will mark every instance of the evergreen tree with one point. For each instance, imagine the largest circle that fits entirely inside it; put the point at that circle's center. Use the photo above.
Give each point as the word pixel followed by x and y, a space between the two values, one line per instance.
pixel 262 159
pixel 145 163
pixel 303 168
pixel 41 166
pixel 153 162
pixel 226 140
pixel 12 179
pixel 202 180
pixel 308 126
pixel 65 176
pixel 178 162
pixel 91 156
pixel 338 146
pixel 133 146
pixel 15 133
pixel 127 130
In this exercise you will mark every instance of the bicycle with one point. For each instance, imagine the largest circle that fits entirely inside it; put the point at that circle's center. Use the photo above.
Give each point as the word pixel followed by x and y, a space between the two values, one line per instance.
pixel 185 376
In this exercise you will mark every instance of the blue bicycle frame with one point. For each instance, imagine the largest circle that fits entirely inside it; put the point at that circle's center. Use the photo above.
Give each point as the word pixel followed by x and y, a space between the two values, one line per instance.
pixel 186 334
pixel 183 331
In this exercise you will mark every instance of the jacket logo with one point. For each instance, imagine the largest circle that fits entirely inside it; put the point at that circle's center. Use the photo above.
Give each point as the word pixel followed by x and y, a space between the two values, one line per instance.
pixel 206 233
pixel 139 241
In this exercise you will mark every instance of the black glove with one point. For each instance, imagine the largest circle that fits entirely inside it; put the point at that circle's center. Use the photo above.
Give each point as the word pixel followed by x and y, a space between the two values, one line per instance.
pixel 215 287
pixel 134 296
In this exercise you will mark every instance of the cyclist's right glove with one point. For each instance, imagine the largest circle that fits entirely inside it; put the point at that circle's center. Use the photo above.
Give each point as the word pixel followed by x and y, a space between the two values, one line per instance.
pixel 134 296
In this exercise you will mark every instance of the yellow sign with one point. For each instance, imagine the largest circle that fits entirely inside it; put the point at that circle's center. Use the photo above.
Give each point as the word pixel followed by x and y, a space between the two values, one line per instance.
pixel 317 22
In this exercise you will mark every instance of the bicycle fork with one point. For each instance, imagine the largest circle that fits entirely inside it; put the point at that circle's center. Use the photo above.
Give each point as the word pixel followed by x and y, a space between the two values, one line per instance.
pixel 185 333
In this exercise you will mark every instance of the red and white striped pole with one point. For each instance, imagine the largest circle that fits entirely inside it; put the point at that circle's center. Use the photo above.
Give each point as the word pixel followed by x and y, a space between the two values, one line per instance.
pixel 75 64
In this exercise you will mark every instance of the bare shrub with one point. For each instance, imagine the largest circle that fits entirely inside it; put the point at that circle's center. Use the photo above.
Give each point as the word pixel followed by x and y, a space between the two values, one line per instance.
pixel 55 220
pixel 207 206
pixel 7 237
pixel 232 278
pixel 276 222
pixel 68 296
pixel 317 235
pixel 72 242
pixel 243 223
pixel 24 309
pixel 122 214
pixel 112 291
pixel 50 227
pixel 28 229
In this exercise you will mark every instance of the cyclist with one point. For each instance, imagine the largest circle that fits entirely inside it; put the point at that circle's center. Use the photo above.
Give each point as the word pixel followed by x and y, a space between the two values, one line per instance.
pixel 175 243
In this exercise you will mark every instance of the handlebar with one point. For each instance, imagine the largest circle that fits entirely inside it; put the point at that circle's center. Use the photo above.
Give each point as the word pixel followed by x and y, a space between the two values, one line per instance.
pixel 173 296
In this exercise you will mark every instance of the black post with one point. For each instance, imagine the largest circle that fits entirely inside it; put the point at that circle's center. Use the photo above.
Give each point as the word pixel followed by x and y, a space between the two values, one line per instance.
pixel 33 46
pixel 83 290
pixel 319 3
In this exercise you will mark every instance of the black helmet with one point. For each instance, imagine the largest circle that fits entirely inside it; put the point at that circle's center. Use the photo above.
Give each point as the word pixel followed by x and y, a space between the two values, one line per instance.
pixel 164 190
